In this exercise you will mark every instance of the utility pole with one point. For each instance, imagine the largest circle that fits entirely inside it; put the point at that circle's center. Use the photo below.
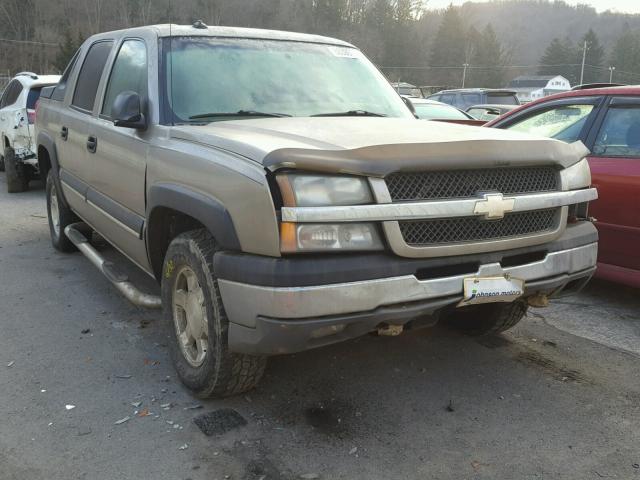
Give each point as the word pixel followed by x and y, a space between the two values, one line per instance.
pixel 584 57
pixel 464 73
pixel 611 69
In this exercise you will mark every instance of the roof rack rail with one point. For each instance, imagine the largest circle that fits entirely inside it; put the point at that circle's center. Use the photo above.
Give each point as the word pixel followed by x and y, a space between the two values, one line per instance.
pixel 587 86
pixel 32 75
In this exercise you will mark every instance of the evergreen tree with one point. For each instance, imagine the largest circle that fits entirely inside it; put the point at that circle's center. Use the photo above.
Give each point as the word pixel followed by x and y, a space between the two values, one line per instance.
pixel 489 55
pixel 67 48
pixel 448 49
pixel 559 59
pixel 593 70
pixel 626 57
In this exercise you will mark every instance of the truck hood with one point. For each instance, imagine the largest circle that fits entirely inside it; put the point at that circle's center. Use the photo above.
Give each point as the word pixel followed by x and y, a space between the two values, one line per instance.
pixel 376 146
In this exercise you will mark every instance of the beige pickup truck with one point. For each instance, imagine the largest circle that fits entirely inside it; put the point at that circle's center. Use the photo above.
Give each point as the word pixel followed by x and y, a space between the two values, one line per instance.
pixel 284 197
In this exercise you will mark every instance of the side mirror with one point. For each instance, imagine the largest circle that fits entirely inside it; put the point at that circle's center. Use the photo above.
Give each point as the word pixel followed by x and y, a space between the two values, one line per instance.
pixel 126 111
pixel 409 105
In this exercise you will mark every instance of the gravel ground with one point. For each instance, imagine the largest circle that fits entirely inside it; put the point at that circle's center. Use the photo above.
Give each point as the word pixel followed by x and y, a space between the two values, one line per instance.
pixel 558 397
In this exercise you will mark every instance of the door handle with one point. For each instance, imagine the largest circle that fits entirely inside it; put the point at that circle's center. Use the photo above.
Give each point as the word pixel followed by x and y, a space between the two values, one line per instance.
pixel 64 133
pixel 92 144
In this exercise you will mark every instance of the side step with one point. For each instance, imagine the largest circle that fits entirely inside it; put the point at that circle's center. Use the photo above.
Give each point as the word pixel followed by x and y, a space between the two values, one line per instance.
pixel 109 270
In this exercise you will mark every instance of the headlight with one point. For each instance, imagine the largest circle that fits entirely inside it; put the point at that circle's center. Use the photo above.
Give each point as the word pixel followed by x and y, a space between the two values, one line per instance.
pixel 305 190
pixel 313 237
pixel 300 190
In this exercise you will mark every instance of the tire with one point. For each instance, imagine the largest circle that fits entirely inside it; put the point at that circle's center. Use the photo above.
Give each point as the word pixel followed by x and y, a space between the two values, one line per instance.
pixel 59 217
pixel 17 180
pixel 485 320
pixel 193 310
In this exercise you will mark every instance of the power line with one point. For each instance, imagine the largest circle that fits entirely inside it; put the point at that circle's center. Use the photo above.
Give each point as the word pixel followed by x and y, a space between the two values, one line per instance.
pixel 29 42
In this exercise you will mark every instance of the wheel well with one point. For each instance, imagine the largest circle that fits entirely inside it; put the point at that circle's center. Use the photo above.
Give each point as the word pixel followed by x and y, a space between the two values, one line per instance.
pixel 164 225
pixel 44 161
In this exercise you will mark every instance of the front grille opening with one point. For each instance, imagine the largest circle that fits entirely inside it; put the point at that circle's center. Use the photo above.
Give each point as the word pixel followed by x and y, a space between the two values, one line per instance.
pixel 523 259
pixel 447 271
pixel 415 186
pixel 475 229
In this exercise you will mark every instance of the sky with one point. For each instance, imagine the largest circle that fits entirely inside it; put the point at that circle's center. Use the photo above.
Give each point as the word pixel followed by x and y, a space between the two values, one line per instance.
pixel 622 6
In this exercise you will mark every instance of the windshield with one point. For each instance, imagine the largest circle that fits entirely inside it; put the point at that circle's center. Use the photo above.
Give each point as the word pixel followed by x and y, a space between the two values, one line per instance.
pixel 427 111
pixel 212 75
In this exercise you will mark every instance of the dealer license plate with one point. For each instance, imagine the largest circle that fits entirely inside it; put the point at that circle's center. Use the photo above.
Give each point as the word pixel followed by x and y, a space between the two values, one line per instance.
pixel 479 290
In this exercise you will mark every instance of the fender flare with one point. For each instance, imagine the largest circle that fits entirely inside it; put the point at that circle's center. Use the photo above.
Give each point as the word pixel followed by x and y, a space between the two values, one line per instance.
pixel 205 209
pixel 45 140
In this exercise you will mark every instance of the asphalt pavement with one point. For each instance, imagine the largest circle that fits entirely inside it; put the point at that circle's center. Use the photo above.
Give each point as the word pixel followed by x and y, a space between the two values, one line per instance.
pixel 87 390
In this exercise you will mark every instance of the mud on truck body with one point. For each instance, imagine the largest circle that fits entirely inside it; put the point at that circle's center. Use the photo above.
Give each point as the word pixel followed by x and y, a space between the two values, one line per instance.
pixel 284 197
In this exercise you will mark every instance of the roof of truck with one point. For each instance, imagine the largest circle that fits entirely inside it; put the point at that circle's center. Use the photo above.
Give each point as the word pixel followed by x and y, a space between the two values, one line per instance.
pixel 167 30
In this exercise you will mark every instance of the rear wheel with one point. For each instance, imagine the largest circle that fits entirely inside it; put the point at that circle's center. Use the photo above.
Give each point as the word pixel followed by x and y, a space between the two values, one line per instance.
pixel 197 324
pixel 488 319
pixel 17 179
pixel 59 217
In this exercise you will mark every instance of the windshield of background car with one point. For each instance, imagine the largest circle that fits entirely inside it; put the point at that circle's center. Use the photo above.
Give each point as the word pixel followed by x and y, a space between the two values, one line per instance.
pixel 214 75
pixel 438 112
pixel 562 123
pixel 502 99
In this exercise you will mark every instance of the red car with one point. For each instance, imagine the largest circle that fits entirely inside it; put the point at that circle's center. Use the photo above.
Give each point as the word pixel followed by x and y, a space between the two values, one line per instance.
pixel 607 121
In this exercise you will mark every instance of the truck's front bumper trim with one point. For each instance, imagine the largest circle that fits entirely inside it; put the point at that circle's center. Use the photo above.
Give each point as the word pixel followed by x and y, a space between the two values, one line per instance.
pixel 244 303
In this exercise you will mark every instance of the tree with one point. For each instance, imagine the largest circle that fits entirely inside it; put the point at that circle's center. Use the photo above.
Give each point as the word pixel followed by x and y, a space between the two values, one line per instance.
pixel 448 48
pixel 559 59
pixel 67 48
pixel 593 70
pixel 625 56
pixel 488 54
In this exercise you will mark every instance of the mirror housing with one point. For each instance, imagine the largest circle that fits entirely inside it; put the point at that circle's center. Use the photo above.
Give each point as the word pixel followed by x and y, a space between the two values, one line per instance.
pixel 409 105
pixel 126 111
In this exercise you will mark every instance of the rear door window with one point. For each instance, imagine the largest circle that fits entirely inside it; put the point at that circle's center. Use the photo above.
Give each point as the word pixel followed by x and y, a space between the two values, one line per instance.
pixel 12 93
pixel 89 77
pixel 619 135
pixel 470 99
pixel 502 99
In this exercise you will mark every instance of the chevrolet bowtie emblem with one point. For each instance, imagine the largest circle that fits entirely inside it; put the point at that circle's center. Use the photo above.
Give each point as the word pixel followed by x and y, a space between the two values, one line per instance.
pixel 494 206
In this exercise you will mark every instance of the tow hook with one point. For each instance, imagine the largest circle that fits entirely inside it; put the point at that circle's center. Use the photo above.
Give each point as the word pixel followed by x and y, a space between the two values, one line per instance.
pixel 539 300
pixel 390 330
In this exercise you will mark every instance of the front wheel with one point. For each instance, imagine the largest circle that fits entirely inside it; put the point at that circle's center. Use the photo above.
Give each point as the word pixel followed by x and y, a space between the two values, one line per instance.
pixel 488 319
pixel 17 178
pixel 197 324
pixel 59 217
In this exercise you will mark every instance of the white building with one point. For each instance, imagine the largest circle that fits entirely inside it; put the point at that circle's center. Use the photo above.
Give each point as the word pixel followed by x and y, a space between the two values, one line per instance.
pixel 532 87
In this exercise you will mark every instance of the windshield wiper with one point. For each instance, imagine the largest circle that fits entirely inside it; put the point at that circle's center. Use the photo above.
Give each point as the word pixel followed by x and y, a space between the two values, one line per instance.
pixel 239 113
pixel 351 113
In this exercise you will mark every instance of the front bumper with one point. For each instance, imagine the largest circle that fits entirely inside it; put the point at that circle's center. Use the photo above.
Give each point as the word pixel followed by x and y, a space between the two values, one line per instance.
pixel 268 319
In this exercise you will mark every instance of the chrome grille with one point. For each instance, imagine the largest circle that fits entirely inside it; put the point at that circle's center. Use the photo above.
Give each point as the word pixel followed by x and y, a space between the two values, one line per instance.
pixel 412 186
pixel 473 229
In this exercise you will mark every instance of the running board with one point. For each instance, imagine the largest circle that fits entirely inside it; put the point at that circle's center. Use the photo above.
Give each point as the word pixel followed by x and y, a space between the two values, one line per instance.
pixel 109 270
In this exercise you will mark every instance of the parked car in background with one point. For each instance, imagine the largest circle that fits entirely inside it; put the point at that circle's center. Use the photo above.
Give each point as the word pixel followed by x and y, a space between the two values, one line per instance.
pixel 607 121
pixel 489 112
pixel 431 110
pixel 17 117
pixel 408 89
pixel 464 98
